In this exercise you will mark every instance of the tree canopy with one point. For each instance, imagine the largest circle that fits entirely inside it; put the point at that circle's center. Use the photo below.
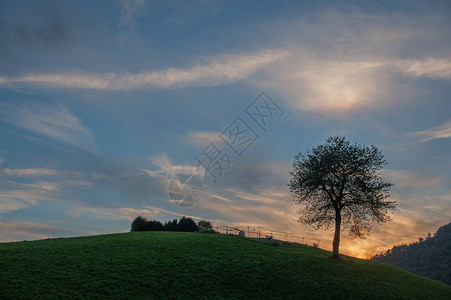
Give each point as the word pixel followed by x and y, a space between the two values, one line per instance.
pixel 339 184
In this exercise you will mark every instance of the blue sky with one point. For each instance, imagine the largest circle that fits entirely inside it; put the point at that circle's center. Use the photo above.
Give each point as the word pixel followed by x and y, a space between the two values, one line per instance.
pixel 102 103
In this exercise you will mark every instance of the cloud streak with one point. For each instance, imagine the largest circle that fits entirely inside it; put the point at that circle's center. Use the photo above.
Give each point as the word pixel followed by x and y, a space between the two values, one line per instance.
pixel 167 169
pixel 440 132
pixel 202 138
pixel 12 200
pixel 55 122
pixel 434 68
pixel 219 71
pixel 31 172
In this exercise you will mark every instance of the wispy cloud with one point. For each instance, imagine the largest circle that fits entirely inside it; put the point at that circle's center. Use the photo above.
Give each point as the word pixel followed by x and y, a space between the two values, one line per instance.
pixel 129 10
pixel 44 186
pixel 8 204
pixel 167 168
pixel 434 68
pixel 410 179
pixel 37 172
pixel 12 200
pixel 275 197
pixel 52 121
pixel 202 138
pixel 222 70
pixel 440 132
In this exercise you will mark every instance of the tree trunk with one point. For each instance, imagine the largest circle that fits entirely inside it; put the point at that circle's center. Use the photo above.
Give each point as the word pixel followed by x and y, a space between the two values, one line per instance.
pixel 336 242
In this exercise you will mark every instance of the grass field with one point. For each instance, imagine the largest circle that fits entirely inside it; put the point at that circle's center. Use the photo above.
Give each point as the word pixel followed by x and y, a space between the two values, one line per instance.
pixel 191 265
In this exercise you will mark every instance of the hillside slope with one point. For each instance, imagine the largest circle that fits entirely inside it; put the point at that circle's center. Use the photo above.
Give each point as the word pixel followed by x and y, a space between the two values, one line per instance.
pixel 430 258
pixel 189 265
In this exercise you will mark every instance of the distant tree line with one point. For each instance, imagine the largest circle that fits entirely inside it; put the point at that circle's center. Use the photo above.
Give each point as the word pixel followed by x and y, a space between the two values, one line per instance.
pixel 429 257
pixel 183 225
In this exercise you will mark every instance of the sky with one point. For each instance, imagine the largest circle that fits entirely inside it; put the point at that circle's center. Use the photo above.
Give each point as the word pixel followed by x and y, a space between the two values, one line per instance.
pixel 104 103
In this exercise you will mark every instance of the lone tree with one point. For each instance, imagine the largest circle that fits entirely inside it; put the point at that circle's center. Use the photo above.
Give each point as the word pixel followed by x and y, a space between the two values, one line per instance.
pixel 338 183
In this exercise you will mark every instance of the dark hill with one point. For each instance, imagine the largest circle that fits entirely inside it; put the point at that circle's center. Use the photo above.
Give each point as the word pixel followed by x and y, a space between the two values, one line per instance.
pixel 429 258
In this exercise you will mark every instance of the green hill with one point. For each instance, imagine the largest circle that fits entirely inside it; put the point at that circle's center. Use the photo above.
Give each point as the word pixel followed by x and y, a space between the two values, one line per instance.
pixel 189 265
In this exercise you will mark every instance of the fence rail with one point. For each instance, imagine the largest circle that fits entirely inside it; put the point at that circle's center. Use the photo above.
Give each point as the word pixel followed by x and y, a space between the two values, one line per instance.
pixel 261 232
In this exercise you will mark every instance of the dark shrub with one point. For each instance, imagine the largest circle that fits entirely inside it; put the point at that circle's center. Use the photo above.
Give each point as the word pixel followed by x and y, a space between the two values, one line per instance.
pixel 153 226
pixel 139 224
pixel 204 226
pixel 171 225
pixel 186 225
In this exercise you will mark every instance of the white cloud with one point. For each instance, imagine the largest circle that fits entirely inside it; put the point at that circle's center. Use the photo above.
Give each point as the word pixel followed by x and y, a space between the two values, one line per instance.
pixel 45 186
pixel 202 138
pixel 219 71
pixel 167 168
pixel 274 197
pixel 7 205
pixel 37 172
pixel 12 200
pixel 220 198
pixel 434 68
pixel 55 122
pixel 27 195
pixel 440 132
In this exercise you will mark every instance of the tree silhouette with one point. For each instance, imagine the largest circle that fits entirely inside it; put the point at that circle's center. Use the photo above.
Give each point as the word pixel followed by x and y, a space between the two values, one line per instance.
pixel 171 225
pixel 139 224
pixel 339 184
pixel 204 226
pixel 186 225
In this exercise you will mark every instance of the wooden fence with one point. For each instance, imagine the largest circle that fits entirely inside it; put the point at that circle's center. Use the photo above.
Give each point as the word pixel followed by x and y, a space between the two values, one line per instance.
pixel 260 232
